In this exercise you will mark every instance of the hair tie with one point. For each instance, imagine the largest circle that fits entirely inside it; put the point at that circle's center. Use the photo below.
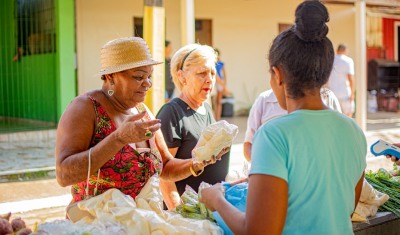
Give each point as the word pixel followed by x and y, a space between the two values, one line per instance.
pixel 186 56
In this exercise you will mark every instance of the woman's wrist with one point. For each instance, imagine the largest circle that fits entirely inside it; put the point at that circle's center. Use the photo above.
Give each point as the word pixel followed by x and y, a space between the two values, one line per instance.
pixel 196 168
pixel 118 138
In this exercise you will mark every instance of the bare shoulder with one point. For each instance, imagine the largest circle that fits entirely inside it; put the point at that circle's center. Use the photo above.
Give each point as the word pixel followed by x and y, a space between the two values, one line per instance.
pixel 79 105
pixel 76 127
pixel 79 113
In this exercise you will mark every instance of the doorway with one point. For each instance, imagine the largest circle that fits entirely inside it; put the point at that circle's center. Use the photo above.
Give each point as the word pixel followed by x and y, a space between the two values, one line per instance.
pixel 203 29
pixel 138 26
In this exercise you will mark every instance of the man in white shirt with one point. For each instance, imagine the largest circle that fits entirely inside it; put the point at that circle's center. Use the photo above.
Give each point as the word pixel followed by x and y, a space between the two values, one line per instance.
pixel 341 80
pixel 266 107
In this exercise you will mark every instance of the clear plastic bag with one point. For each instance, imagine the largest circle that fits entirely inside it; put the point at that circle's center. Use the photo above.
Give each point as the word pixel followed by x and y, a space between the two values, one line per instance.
pixel 213 139
pixel 191 207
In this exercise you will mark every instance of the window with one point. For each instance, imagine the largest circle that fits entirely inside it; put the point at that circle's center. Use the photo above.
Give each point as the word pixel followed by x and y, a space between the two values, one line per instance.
pixel 283 27
pixel 138 26
pixel 203 32
pixel 35 22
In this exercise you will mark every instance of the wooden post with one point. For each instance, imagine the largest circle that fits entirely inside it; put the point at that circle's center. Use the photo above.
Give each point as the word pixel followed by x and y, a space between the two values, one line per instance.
pixel 187 22
pixel 154 35
pixel 361 65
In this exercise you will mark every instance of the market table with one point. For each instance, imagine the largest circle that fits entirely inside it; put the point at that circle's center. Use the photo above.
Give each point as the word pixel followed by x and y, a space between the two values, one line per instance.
pixel 383 223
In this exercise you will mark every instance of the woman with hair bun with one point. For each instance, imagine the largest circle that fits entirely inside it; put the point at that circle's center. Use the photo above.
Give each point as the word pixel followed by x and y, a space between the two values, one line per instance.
pixel 308 166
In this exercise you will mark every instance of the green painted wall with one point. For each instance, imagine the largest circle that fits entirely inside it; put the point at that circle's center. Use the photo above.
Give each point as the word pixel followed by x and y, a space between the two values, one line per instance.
pixel 28 85
pixel 66 60
pixel 6 45
pixel 37 87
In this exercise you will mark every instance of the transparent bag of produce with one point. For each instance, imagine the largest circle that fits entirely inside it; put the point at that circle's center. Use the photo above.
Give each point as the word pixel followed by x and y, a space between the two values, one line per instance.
pixel 213 139
pixel 190 206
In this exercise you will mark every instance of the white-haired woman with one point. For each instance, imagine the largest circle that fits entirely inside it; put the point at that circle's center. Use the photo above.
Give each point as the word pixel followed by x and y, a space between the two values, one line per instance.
pixel 110 134
pixel 184 117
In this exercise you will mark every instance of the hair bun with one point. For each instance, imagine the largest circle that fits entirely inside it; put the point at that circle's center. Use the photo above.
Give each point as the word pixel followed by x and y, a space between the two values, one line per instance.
pixel 311 19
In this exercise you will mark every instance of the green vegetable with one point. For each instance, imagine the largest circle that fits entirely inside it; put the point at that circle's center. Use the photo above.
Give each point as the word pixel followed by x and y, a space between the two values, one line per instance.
pixel 192 208
pixel 388 185
pixel 396 170
pixel 395 179
pixel 189 198
pixel 383 174
pixel 203 210
pixel 192 215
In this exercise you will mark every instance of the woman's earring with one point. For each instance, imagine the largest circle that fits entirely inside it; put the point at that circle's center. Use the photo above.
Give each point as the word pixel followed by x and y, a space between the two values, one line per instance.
pixel 111 91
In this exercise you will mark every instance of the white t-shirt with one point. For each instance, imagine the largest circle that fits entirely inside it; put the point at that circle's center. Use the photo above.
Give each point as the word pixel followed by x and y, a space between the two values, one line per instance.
pixel 338 82
pixel 266 107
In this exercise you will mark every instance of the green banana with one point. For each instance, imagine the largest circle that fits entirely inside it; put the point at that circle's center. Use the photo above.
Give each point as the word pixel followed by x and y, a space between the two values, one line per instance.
pixel 203 209
pixel 191 208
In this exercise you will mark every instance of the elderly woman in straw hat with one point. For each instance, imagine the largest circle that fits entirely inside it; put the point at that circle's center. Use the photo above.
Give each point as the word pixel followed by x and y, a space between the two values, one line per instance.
pixel 107 138
pixel 184 117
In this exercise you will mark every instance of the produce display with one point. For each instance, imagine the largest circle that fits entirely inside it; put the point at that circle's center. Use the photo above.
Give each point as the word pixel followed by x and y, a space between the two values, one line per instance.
pixel 14 227
pixel 387 182
pixel 116 213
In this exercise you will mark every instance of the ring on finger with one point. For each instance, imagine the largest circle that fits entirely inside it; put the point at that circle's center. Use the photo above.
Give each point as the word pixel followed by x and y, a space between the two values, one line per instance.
pixel 148 133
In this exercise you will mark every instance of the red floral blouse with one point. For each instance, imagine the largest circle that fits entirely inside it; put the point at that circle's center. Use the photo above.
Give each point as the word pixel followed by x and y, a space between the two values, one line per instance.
pixel 128 170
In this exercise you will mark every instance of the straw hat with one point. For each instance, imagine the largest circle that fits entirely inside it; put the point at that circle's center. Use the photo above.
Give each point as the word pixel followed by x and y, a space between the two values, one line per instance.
pixel 125 53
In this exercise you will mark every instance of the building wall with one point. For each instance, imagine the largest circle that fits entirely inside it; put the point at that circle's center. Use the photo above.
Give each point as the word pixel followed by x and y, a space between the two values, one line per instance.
pixel 99 21
pixel 242 30
pixel 389 37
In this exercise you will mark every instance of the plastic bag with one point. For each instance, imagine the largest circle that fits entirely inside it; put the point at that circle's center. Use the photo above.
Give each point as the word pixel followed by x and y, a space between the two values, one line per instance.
pixel 191 207
pixel 370 200
pixel 237 196
pixel 213 139
pixel 116 213
pixel 238 174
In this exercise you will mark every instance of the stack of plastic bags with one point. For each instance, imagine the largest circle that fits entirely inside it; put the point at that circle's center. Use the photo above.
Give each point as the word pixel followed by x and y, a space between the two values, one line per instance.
pixel 116 213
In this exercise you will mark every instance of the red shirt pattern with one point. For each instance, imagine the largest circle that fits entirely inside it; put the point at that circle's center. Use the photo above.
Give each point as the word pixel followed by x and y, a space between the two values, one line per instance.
pixel 128 170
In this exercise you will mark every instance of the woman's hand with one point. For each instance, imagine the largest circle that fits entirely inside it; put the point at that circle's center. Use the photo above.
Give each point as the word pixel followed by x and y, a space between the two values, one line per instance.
pixel 133 129
pixel 210 196
pixel 199 166
pixel 240 181
pixel 214 159
pixel 393 158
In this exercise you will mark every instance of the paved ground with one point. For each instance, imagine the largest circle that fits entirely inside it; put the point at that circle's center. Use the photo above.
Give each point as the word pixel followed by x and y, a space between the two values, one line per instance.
pixel 44 200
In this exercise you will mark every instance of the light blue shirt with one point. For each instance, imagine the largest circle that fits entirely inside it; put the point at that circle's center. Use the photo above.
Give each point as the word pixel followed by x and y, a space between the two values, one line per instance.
pixel 322 155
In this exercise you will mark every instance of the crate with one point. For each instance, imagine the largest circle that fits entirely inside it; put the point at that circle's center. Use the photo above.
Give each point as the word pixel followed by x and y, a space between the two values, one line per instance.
pixel 388 102
pixel 383 74
pixel 227 107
